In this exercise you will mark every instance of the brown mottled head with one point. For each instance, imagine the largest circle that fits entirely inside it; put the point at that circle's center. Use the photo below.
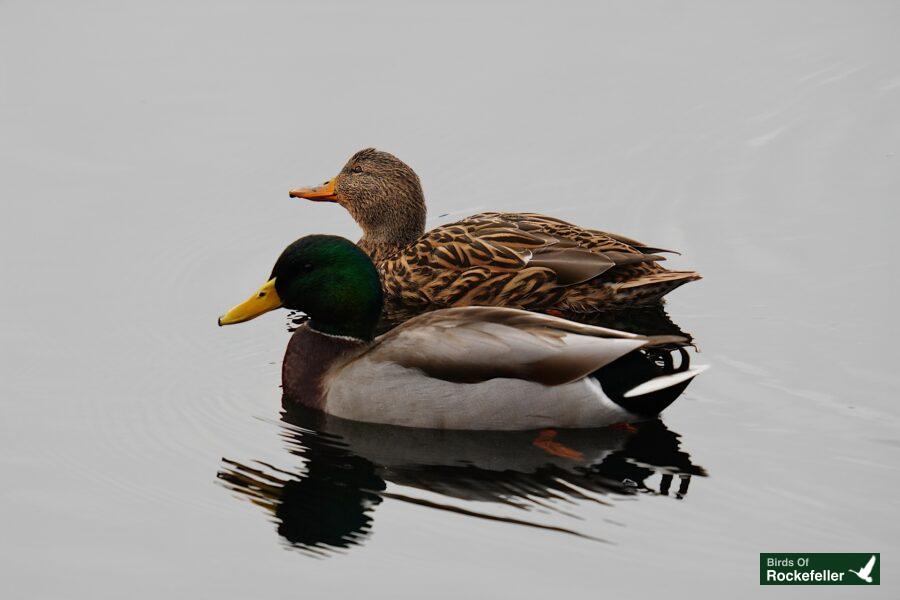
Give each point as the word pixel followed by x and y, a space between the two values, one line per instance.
pixel 382 194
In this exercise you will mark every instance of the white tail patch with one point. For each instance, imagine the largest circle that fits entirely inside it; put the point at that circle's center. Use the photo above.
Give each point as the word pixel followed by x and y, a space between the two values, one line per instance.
pixel 664 381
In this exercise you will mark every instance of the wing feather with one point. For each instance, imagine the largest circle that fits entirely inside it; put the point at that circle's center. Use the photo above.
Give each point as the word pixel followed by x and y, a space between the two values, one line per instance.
pixel 474 344
pixel 868 568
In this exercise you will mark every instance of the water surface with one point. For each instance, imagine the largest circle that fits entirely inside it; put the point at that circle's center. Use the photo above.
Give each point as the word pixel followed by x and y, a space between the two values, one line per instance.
pixel 146 156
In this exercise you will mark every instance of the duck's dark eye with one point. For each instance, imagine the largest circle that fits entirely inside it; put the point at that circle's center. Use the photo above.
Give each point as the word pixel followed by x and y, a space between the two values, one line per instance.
pixel 307 267
pixel 356 169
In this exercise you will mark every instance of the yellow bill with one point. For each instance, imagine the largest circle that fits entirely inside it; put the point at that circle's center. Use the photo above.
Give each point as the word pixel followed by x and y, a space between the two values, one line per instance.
pixel 264 300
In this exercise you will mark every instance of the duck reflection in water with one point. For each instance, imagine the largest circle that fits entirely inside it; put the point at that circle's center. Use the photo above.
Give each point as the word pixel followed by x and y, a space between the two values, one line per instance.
pixel 329 503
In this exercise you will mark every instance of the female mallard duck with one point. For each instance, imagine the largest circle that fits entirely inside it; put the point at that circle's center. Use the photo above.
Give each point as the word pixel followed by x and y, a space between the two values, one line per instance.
pixel 457 368
pixel 521 260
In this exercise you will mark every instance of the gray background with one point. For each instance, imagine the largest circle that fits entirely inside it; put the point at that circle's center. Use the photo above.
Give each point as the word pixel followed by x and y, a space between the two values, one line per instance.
pixel 147 150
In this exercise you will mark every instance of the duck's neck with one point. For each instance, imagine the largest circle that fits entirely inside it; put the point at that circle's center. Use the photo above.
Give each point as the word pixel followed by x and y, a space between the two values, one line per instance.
pixel 309 358
pixel 391 226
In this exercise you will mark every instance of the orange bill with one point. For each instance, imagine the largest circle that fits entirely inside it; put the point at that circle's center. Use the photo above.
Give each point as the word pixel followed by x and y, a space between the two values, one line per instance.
pixel 319 193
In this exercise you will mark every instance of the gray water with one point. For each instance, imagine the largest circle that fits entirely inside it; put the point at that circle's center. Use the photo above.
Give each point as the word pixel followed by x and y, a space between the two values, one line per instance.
pixel 147 150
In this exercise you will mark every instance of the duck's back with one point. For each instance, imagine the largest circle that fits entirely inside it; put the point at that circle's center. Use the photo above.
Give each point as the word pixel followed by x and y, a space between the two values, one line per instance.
pixel 523 260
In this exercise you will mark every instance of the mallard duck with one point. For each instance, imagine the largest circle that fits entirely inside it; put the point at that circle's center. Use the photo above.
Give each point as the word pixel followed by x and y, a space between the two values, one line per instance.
pixel 521 260
pixel 457 368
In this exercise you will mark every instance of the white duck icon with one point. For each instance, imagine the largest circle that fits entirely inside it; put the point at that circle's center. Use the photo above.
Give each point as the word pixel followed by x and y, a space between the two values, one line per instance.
pixel 866 572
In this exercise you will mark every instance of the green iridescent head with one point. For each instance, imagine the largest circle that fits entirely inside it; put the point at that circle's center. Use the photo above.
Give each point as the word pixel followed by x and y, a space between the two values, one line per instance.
pixel 329 279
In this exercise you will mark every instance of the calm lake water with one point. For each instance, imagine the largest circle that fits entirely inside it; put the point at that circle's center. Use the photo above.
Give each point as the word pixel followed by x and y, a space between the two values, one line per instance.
pixel 147 150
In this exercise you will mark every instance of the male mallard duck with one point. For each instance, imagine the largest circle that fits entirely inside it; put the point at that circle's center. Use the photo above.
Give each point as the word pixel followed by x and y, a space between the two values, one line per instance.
pixel 457 368
pixel 521 260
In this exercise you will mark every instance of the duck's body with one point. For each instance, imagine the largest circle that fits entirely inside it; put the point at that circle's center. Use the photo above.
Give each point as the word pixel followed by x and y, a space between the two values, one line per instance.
pixel 459 368
pixel 475 368
pixel 520 260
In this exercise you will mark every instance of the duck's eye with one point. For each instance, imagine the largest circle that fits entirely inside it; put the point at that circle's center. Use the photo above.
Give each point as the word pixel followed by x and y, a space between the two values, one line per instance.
pixel 307 267
pixel 356 169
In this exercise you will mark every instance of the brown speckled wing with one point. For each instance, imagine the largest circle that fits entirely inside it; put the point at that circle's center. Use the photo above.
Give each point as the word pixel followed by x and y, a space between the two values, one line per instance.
pixel 523 260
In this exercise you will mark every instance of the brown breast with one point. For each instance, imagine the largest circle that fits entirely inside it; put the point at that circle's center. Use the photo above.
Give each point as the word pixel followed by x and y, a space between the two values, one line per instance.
pixel 309 358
